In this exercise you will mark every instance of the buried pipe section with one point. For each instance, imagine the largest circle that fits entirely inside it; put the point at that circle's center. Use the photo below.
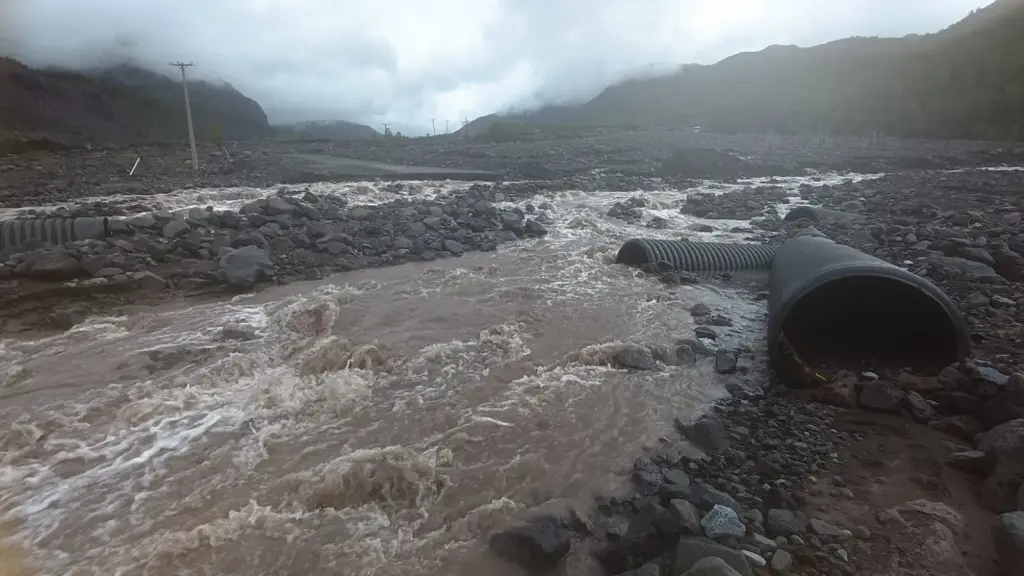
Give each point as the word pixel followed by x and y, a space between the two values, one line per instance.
pixel 837 307
pixel 685 256
pixel 53 231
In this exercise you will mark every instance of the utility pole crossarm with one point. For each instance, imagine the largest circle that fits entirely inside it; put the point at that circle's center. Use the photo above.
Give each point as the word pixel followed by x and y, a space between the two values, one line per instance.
pixel 188 114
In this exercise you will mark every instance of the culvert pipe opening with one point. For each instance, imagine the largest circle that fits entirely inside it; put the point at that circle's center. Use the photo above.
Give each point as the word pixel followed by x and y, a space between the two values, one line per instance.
pixel 833 306
pixel 871 320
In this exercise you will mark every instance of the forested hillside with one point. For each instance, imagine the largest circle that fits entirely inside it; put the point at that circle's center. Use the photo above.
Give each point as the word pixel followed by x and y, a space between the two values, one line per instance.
pixel 966 81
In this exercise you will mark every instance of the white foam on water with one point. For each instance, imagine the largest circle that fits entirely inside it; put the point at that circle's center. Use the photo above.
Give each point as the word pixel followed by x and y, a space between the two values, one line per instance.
pixel 366 193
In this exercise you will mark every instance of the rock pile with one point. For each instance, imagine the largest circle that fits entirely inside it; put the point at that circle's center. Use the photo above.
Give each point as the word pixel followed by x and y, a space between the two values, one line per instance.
pixel 282 237
pixel 744 204
pixel 740 504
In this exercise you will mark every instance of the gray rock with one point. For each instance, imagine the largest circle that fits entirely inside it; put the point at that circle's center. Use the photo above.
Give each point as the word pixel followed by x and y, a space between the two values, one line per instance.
pixel 176 229
pixel 363 213
pixel 781 522
pixel 247 266
pixel 725 361
pixel 754 559
pixel 978 255
pixel 700 310
pixel 1004 446
pixel 634 356
pixel 708 432
pixel 690 551
pixel 974 271
pixel 705 497
pixel 822 528
pixel 55 265
pixel 453 247
pixel 763 543
pixel 676 477
pixel 107 272
pixel 705 332
pixel 537 546
pixel 754 516
pixel 278 206
pixel 782 561
pixel 722 522
pixel 149 281
pixel 882 397
pixel 973 461
pixel 919 409
pixel 401 243
pixel 687 515
pixel 534 228
pixel 711 566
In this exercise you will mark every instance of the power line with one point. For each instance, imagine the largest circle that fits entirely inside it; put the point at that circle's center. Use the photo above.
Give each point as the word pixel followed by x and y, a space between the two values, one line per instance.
pixel 188 115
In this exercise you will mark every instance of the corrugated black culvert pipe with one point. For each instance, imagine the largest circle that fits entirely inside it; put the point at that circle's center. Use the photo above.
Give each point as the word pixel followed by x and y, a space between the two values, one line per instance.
pixel 17 233
pixel 696 256
pixel 839 307
pixel 816 214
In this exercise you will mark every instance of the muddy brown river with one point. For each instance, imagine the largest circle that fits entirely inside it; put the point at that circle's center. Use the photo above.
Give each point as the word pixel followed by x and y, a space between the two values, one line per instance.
pixel 380 422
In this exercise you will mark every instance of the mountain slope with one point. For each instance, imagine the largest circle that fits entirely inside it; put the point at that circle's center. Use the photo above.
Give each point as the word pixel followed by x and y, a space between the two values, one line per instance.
pixel 966 81
pixel 326 130
pixel 121 104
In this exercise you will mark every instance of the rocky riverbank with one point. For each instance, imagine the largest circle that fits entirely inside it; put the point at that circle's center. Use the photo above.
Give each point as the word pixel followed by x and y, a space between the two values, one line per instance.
pixel 290 235
pixel 675 155
pixel 872 471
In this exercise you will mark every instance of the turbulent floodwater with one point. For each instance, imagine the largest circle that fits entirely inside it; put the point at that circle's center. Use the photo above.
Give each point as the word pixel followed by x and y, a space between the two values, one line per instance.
pixel 379 422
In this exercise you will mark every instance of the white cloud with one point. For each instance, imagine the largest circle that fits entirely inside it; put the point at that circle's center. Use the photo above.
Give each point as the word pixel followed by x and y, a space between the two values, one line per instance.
pixel 407 61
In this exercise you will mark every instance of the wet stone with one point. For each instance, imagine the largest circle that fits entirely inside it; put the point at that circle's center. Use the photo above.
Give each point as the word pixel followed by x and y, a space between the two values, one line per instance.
pixel 881 397
pixel 726 361
pixel 690 551
pixel 707 432
pixel 722 522
pixel 536 546
pixel 785 522
pixel 705 332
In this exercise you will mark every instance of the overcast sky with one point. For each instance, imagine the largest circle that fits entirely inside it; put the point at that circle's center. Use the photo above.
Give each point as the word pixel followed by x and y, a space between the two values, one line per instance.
pixel 407 61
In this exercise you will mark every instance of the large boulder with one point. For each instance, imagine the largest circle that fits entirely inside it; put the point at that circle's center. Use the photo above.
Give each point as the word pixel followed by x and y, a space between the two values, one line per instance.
pixel 537 546
pixel 1008 537
pixel 245 267
pixel 54 264
pixel 691 551
pixel 1004 446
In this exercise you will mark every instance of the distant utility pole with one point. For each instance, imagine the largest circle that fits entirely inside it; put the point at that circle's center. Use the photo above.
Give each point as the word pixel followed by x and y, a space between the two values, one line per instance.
pixel 188 114
pixel 432 127
pixel 445 126
pixel 385 128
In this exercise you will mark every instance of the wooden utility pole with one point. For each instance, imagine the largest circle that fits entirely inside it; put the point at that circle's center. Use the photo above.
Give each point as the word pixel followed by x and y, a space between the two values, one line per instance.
pixel 385 125
pixel 188 114
pixel 433 127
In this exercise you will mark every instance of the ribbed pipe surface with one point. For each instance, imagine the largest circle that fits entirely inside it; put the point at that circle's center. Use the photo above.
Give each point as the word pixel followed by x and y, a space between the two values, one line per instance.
pixel 816 214
pixel 697 256
pixel 17 233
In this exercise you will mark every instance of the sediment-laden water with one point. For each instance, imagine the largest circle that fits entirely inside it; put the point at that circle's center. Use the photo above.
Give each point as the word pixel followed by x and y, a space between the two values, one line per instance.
pixel 378 422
